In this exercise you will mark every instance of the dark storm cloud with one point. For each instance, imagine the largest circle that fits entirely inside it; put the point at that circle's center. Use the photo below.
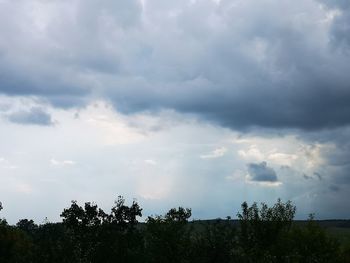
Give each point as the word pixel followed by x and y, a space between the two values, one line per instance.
pixel 340 29
pixel 55 49
pixel 238 64
pixel 34 116
pixel 343 4
pixel 307 177
pixel 261 173
pixel 318 175
pixel 334 188
pixel 50 86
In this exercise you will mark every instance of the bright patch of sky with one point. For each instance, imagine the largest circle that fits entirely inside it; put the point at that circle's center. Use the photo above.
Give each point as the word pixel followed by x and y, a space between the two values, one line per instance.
pixel 96 154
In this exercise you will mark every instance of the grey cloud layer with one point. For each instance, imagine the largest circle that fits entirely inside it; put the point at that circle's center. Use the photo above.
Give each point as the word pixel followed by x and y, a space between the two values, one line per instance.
pixel 34 115
pixel 340 29
pixel 237 63
pixel 261 173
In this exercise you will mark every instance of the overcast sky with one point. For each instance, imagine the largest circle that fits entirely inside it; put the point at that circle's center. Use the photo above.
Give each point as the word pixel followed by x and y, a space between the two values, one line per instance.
pixel 198 103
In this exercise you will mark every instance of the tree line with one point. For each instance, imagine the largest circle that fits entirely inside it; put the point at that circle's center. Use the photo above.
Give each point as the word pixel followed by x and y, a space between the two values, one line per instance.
pixel 89 234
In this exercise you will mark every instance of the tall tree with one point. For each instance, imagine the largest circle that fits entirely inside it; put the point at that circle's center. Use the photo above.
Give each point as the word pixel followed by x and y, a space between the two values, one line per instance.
pixel 168 236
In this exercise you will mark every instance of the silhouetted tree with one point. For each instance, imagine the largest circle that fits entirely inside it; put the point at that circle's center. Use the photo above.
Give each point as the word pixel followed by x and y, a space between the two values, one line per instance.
pixel 53 243
pixel 168 236
pixel 2 220
pixel 28 226
pixel 119 236
pixel 15 246
pixel 82 225
pixel 214 242
pixel 312 244
pixel 262 228
pixel 88 234
pixel 101 237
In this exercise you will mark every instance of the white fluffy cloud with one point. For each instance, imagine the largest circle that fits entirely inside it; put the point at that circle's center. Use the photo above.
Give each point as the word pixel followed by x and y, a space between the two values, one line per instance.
pixel 217 153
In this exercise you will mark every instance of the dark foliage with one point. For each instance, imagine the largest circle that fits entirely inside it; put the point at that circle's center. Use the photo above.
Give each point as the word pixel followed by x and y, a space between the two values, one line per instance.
pixel 168 237
pixel 88 234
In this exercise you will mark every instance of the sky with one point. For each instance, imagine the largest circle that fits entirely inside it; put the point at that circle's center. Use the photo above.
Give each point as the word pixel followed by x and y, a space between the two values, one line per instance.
pixel 195 103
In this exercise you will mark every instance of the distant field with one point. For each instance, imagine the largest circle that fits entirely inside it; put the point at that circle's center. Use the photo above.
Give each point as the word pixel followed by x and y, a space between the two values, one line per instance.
pixel 340 233
pixel 340 229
